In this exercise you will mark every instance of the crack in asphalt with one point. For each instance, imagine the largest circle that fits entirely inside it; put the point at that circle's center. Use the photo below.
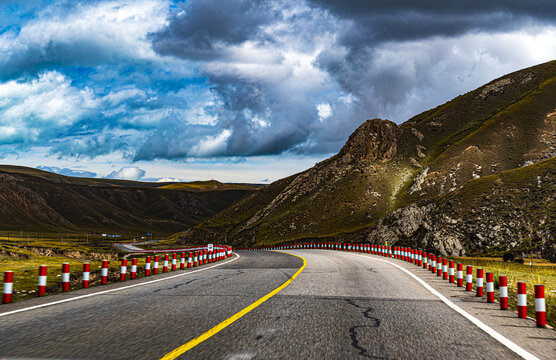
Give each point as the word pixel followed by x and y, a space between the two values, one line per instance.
pixel 354 334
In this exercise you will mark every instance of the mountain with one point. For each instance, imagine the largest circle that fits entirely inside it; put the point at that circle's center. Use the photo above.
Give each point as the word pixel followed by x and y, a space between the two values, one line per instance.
pixel 434 158
pixel 36 200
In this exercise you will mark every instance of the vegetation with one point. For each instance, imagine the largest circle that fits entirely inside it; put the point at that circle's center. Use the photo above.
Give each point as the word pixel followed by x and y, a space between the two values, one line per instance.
pixel 540 272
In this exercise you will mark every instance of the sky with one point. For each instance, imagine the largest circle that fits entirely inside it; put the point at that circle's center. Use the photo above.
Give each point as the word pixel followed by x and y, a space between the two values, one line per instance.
pixel 235 90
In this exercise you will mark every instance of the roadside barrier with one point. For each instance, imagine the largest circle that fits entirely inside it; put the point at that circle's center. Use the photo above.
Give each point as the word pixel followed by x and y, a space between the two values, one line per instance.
pixel 133 273
pixel 86 272
pixel 104 273
pixel 438 266
pixel 148 266
pixel 165 264
pixel 42 280
pixel 8 287
pixel 540 307
pixel 65 277
pixel 503 292
pixel 469 278
pixel 451 278
pixel 445 269
pixel 219 253
pixel 123 270
pixel 522 299
pixel 479 289
pixel 490 287
pixel 459 274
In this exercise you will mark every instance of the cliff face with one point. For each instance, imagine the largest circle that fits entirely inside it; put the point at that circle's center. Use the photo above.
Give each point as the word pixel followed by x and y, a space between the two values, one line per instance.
pixel 403 170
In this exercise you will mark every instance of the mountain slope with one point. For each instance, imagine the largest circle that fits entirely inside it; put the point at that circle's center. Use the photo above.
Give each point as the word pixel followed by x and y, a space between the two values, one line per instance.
pixel 505 124
pixel 35 200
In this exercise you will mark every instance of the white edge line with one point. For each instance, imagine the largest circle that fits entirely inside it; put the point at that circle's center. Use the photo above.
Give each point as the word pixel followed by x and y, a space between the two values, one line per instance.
pixel 113 290
pixel 481 325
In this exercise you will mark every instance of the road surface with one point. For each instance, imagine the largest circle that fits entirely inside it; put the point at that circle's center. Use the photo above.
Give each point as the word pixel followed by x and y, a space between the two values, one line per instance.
pixel 341 306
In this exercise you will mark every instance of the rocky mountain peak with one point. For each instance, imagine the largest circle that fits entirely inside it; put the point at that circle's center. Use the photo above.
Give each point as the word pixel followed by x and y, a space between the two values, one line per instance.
pixel 375 140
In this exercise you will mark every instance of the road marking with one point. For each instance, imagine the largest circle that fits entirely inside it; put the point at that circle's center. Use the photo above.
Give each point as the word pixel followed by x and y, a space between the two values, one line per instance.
pixel 199 339
pixel 113 290
pixel 481 325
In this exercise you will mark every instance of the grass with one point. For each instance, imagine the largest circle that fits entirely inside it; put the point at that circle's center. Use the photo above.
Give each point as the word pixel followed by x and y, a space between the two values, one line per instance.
pixel 542 272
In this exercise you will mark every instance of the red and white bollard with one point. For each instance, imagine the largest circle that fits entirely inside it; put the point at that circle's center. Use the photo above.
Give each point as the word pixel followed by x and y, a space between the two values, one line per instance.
pixel 479 289
pixel 189 260
pixel 432 266
pixel 503 288
pixel 445 269
pixel 469 278
pixel 155 265
pixel 8 287
pixel 196 259
pixel 123 270
pixel 148 266
pixel 522 299
pixel 65 277
pixel 86 273
pixel 209 253
pixel 42 281
pixel 174 261
pixel 459 275
pixel 165 265
pixel 490 287
pixel 540 306
pixel 104 273
pixel 438 266
pixel 182 261
pixel 451 276
pixel 133 274
pixel 425 260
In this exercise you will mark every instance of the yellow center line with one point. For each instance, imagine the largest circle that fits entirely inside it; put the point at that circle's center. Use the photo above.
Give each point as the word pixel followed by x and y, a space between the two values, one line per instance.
pixel 199 339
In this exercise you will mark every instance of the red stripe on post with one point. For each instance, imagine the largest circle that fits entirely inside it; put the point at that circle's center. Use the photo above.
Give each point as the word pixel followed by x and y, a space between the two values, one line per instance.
pixel 104 272
pixel 148 266
pixel 182 261
pixel 503 290
pixel 123 270
pixel 8 287
pixel 469 278
pixel 42 281
pixel 479 289
pixel 540 306
pixel 133 274
pixel 86 272
pixel 451 277
pixel 155 265
pixel 522 299
pixel 165 265
pixel 490 287
pixel 65 277
pixel 445 269
pixel 459 275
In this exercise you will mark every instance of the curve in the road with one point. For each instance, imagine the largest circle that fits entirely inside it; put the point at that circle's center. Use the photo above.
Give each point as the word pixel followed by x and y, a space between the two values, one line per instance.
pixel 192 343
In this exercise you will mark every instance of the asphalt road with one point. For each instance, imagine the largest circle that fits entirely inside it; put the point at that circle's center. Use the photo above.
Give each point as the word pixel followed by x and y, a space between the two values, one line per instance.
pixel 342 306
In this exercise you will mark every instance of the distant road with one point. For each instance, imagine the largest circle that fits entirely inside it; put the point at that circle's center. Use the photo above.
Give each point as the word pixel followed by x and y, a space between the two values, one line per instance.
pixel 341 306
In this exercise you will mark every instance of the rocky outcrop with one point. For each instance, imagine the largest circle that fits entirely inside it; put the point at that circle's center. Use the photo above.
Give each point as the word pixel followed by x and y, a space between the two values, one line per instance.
pixel 375 140
pixel 486 216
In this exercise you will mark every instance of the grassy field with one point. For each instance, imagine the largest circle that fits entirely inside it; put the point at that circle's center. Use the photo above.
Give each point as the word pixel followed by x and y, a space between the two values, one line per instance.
pixel 541 272
pixel 23 253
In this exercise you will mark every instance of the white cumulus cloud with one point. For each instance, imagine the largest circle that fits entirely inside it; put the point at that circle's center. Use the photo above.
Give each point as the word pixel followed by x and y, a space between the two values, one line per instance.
pixel 127 173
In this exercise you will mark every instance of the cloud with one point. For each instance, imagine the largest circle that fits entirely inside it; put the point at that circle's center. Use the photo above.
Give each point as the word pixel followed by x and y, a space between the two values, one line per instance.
pixel 127 173
pixel 68 172
pixel 83 34
pixel 168 179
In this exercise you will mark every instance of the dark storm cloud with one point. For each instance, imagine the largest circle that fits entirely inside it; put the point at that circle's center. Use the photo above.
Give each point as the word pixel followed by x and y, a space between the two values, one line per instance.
pixel 203 29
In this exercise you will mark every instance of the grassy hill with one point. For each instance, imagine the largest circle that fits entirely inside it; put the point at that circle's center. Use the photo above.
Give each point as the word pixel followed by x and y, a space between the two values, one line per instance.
pixel 35 200
pixel 503 125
